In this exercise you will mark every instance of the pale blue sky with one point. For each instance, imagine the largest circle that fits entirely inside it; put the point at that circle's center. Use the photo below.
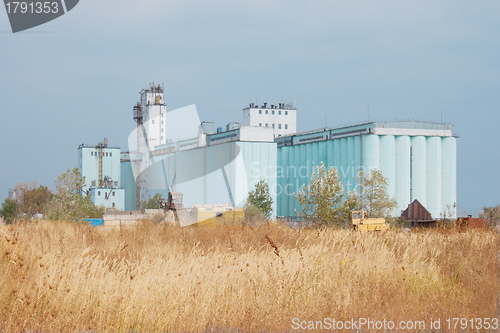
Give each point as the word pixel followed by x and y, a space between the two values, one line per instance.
pixel 75 80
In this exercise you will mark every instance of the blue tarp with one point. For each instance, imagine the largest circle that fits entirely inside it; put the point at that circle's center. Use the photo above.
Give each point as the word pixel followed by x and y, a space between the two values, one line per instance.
pixel 94 222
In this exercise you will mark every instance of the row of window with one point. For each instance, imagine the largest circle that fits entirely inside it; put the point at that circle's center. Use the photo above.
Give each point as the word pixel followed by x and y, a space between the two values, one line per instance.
pixel 95 154
pixel 99 193
pixel 115 183
pixel 279 125
pixel 279 112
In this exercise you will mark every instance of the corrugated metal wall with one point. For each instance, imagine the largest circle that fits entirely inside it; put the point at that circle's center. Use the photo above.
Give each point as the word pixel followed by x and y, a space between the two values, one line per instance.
pixel 417 167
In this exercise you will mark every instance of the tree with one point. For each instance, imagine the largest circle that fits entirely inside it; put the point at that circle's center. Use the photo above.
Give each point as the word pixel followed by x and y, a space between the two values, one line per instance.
pixel 491 215
pixel 260 198
pixel 323 201
pixel 9 209
pixel 32 199
pixel 68 203
pixel 373 195
pixel 152 203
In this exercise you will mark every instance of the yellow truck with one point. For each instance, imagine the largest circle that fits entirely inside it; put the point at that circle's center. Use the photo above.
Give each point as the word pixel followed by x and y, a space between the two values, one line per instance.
pixel 360 221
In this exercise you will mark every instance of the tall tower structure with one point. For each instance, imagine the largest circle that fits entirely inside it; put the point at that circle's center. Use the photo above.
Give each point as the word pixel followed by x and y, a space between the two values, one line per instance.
pixel 149 114
pixel 153 110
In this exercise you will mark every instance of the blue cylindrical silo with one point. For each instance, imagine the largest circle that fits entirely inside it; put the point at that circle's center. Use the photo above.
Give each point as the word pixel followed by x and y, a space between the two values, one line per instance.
pixel 350 171
pixel 343 160
pixel 454 175
pixel 299 158
pixel 418 170
pixel 281 179
pixel 388 162
pixel 323 152
pixel 330 153
pixel 403 143
pixel 312 165
pixel 288 188
pixel 315 153
pixel 357 156
pixel 449 175
pixel 304 165
pixel 434 181
pixel 371 152
pixel 285 152
pixel 337 148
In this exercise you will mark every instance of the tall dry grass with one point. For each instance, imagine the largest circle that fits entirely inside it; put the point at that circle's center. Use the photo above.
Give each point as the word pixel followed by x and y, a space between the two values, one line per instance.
pixel 58 276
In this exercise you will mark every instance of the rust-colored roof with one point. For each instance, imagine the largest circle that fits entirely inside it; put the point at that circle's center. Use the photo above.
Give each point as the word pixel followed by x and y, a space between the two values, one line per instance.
pixel 416 212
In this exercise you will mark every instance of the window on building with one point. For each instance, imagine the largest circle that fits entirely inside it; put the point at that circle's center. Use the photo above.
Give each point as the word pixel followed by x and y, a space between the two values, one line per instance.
pixel 279 112
pixel 273 111
pixel 106 154
pixel 267 112
pixel 273 125
pixel 286 113
pixel 286 126
pixel 260 124
pixel 279 126
pixel 113 204
pixel 279 134
pixel 92 183
pixel 110 154
pixel 267 125
pixel 98 192
pixel 115 182
pixel 113 193
pixel 91 153
pixel 260 111
pixel 153 121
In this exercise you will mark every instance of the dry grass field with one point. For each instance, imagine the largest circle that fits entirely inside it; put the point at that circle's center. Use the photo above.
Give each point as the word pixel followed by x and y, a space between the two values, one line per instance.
pixel 64 277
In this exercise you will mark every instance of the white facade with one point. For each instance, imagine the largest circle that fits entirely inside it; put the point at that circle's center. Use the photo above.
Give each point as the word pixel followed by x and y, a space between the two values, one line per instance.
pixel 282 117
pixel 150 115
pixel 153 110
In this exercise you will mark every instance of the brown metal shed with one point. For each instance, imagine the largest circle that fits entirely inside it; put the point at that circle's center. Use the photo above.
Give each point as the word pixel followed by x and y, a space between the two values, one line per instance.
pixel 416 212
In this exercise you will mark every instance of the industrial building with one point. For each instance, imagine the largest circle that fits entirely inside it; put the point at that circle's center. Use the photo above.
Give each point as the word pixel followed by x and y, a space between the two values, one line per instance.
pixel 212 168
pixel 100 167
pixel 221 167
pixel 281 117
pixel 417 158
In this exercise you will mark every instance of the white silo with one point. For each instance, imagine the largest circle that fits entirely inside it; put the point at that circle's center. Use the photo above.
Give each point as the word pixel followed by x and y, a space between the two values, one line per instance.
pixel 388 161
pixel 434 173
pixel 418 170
pixel 403 143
